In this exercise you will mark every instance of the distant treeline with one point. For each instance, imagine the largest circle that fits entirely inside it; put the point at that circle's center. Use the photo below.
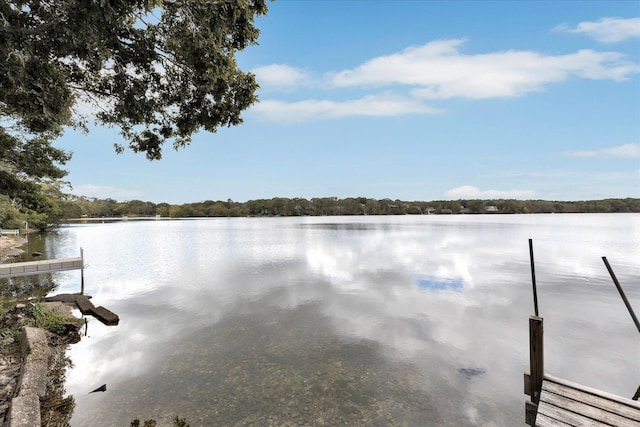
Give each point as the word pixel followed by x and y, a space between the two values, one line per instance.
pixel 278 206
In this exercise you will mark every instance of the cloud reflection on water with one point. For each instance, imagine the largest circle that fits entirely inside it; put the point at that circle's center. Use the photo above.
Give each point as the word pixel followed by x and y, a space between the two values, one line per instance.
pixel 362 275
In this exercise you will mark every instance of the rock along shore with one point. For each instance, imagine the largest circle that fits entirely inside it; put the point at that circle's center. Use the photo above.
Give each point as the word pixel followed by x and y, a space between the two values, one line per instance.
pixel 11 246
pixel 31 361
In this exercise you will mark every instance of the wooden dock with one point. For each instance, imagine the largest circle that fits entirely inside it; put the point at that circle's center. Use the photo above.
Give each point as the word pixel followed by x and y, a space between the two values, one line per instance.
pixel 30 268
pixel 565 403
pixel 83 303
pixel 558 402
pixel 86 307
pixel 40 267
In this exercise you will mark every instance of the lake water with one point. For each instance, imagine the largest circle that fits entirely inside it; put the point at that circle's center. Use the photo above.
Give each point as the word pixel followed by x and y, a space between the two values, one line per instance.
pixel 411 320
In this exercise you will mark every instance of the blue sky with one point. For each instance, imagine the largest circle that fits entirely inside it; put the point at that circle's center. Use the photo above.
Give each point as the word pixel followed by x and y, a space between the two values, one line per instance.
pixel 411 100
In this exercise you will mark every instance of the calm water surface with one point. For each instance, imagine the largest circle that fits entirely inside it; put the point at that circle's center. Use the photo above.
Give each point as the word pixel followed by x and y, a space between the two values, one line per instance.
pixel 413 320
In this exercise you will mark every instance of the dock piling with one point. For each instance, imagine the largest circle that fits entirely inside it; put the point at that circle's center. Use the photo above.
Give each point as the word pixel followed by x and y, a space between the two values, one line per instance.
pixel 533 380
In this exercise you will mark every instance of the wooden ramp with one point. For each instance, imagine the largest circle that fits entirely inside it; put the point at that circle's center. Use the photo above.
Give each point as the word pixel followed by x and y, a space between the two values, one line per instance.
pixel 565 403
pixel 40 267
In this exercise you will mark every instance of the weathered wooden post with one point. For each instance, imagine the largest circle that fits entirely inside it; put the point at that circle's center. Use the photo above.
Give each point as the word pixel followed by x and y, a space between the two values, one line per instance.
pixel 536 356
pixel 533 381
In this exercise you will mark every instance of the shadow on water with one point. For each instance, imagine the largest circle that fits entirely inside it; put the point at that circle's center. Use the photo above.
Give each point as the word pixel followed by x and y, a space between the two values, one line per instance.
pixel 262 365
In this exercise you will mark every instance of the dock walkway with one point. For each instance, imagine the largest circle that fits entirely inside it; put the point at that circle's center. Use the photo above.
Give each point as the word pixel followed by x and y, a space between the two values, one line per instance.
pixel 86 307
pixel 40 267
pixel 565 403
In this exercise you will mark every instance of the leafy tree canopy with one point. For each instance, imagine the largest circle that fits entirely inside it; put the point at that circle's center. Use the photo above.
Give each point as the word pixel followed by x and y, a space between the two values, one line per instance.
pixel 159 70
pixel 30 173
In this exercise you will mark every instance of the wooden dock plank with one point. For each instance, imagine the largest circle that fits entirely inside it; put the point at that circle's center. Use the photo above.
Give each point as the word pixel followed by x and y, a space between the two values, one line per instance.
pixel 81 301
pixel 68 298
pixel 550 415
pixel 543 420
pixel 105 316
pixel 596 398
pixel 84 304
pixel 563 402
pixel 584 410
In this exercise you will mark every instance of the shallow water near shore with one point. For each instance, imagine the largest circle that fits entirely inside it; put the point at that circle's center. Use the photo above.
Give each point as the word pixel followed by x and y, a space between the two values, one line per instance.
pixel 412 320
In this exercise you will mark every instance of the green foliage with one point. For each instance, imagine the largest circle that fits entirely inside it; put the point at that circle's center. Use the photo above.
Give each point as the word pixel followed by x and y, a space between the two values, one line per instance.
pixel 333 206
pixel 158 70
pixel 6 333
pixel 40 317
pixel 29 177
pixel 10 217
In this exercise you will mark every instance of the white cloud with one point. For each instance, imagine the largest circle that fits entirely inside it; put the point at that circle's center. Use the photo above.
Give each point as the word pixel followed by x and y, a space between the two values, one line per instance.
pixel 606 30
pixel 385 104
pixel 438 70
pixel 105 192
pixel 626 150
pixel 434 71
pixel 280 76
pixel 470 192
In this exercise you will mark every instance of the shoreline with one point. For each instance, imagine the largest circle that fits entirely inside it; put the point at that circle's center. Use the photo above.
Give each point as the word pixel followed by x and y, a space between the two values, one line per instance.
pixel 11 247
pixel 30 382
